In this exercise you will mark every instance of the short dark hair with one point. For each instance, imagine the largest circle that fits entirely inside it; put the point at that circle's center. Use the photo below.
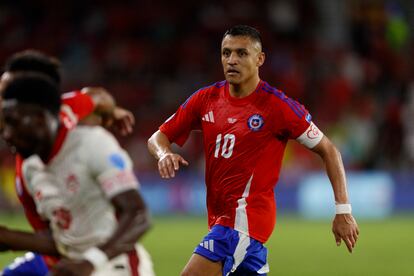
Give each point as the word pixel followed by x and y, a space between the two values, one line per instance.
pixel 34 88
pixel 36 61
pixel 244 30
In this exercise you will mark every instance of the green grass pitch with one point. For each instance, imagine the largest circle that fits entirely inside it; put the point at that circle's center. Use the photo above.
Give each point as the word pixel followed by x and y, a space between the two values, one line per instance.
pixel 297 247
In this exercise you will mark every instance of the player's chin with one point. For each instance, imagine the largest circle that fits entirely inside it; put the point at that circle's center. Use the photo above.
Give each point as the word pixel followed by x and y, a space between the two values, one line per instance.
pixel 24 149
pixel 234 80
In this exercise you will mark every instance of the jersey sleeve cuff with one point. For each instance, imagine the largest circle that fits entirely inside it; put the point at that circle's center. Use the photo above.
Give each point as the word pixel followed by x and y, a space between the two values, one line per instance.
pixel 114 182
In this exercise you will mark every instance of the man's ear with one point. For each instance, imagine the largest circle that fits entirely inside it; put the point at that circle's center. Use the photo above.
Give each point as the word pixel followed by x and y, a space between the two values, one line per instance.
pixel 261 59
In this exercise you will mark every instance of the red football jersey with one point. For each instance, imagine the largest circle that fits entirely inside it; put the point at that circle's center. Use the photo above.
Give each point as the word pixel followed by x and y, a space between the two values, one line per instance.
pixel 75 106
pixel 244 142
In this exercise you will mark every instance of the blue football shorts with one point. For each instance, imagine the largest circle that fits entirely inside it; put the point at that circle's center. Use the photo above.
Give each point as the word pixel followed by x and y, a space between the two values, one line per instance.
pixel 240 254
pixel 30 264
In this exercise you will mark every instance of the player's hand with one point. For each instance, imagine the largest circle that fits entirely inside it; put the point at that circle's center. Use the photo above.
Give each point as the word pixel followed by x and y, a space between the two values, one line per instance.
pixel 121 121
pixel 169 163
pixel 344 227
pixel 72 268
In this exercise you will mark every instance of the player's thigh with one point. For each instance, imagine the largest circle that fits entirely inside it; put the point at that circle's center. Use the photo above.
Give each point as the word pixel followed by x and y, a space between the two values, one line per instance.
pixel 201 266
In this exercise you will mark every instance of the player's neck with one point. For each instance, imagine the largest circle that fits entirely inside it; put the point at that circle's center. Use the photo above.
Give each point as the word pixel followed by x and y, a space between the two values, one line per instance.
pixel 46 150
pixel 244 89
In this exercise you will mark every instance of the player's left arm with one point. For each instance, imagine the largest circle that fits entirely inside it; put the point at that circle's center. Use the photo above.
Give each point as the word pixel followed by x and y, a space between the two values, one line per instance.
pixel 344 226
pixel 298 123
pixel 103 101
pixel 133 222
pixel 116 177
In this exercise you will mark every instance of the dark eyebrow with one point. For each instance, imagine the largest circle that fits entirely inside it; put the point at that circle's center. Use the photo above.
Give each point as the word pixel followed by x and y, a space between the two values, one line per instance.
pixel 237 49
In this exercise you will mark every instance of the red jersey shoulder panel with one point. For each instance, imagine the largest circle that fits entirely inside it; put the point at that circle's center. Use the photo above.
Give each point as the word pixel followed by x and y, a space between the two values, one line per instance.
pixel 188 116
pixel 294 119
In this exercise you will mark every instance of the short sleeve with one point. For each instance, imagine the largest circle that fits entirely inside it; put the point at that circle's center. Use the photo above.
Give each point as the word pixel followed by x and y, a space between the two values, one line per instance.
pixel 109 163
pixel 178 127
pixel 295 119
pixel 80 103
pixel 297 123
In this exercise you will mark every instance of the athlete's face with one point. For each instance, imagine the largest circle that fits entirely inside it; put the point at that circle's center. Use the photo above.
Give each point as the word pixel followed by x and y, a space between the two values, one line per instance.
pixel 241 58
pixel 28 129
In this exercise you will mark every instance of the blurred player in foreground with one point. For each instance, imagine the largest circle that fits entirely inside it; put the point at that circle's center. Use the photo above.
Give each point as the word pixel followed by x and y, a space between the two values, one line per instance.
pixel 82 183
pixel 246 125
pixel 90 105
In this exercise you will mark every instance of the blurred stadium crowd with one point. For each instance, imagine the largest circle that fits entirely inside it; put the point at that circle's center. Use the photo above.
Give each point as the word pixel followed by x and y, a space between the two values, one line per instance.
pixel 347 61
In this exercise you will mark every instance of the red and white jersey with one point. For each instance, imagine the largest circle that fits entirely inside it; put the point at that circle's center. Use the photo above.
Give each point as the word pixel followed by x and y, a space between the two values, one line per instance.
pixel 74 189
pixel 244 142
pixel 75 106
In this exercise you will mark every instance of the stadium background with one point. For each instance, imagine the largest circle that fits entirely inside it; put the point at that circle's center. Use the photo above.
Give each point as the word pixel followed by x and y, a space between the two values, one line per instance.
pixel 347 61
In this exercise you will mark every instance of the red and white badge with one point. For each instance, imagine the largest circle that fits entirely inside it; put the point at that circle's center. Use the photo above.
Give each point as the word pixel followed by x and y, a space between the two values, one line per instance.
pixel 311 137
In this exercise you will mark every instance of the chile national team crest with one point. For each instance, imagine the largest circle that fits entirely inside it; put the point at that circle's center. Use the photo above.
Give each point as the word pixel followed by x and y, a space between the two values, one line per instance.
pixel 255 122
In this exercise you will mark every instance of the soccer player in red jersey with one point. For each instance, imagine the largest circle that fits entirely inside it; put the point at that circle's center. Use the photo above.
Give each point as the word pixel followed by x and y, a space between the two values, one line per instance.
pixel 90 105
pixel 246 125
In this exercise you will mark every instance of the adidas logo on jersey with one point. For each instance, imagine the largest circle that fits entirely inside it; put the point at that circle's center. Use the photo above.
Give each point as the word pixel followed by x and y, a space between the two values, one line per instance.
pixel 208 117
pixel 209 245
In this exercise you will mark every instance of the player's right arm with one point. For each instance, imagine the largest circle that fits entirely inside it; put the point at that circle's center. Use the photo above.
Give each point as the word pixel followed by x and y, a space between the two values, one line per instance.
pixel 96 106
pixel 168 162
pixel 175 129
pixel 113 116
pixel 104 103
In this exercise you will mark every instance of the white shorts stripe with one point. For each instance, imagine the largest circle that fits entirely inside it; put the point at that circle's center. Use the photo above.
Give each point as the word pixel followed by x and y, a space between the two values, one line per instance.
pixel 211 245
pixel 241 250
pixel 264 269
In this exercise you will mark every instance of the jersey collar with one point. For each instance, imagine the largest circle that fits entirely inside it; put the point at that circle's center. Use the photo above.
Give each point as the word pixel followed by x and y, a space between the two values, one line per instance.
pixel 60 138
pixel 242 101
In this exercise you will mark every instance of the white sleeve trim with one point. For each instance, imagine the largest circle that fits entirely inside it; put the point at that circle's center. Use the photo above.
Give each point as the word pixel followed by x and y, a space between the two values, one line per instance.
pixel 114 182
pixel 311 137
